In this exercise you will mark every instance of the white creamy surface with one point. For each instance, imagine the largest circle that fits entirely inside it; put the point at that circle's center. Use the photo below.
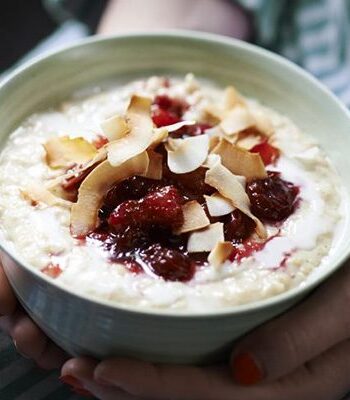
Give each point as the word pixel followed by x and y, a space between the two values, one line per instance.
pixel 41 234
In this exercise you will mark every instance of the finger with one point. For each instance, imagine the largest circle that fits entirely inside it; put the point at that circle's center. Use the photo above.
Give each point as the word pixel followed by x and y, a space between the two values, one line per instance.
pixel 82 370
pixel 324 378
pixel 142 379
pixel 52 357
pixel 8 301
pixel 29 340
pixel 280 346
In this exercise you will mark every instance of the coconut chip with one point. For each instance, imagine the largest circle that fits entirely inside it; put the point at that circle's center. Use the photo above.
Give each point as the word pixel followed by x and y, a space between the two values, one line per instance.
pixel 141 135
pixel 177 126
pixel 35 194
pixel 115 127
pixel 62 152
pixel 232 98
pixel 95 186
pixel 220 253
pixel 194 217
pixel 73 177
pixel 249 138
pixel 229 186
pixel 237 120
pixel 206 239
pixel 186 155
pixel 155 166
pixel 218 205
pixel 240 161
pixel 263 123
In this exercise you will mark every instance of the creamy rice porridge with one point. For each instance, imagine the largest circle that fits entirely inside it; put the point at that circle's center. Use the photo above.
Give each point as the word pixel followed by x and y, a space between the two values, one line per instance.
pixel 168 193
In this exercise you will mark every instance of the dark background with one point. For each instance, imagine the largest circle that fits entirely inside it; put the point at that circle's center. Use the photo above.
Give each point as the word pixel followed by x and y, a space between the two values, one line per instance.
pixel 23 23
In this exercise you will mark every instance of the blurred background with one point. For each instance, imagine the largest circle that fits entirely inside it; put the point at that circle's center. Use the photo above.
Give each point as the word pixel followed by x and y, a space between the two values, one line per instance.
pixel 313 33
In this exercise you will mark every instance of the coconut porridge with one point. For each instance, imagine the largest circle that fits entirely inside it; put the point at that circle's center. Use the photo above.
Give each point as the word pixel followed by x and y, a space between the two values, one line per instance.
pixel 168 193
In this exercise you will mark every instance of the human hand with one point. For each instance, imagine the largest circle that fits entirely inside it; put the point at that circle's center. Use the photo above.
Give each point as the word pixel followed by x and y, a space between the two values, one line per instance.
pixel 230 19
pixel 29 340
pixel 303 354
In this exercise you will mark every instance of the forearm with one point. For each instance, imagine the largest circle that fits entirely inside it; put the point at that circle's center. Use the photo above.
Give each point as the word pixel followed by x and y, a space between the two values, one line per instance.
pixel 216 16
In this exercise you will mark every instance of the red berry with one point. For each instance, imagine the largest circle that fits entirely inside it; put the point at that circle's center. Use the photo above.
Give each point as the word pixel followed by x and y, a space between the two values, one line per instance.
pixel 167 111
pixel 52 270
pixel 176 106
pixel 169 264
pixel 272 198
pixel 100 141
pixel 161 207
pixel 191 185
pixel 238 226
pixel 268 153
pixel 133 188
pixel 162 117
pixel 164 102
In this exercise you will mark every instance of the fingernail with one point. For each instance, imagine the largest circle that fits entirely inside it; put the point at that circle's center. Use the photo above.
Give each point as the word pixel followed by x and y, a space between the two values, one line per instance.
pixel 245 370
pixel 71 381
pixel 19 352
pixel 83 392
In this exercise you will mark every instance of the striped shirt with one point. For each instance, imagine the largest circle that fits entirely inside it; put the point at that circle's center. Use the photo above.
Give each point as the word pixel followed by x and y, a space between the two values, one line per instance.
pixel 313 33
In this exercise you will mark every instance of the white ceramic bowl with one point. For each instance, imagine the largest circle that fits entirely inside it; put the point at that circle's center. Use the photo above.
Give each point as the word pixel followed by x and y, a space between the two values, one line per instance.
pixel 98 328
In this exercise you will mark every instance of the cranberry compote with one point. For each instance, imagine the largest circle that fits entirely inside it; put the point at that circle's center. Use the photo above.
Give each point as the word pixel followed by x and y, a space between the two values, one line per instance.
pixel 268 153
pixel 137 221
pixel 272 198
pixel 139 216
pixel 167 110
pixel 238 226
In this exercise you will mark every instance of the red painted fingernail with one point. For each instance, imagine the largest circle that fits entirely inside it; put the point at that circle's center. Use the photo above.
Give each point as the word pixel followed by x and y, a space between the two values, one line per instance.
pixel 245 370
pixel 82 392
pixel 71 381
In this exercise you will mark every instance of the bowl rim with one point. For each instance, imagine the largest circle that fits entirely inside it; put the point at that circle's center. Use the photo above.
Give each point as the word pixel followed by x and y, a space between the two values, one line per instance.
pixel 209 38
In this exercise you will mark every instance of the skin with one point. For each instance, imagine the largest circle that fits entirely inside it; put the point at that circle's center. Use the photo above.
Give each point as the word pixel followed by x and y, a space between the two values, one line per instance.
pixel 303 354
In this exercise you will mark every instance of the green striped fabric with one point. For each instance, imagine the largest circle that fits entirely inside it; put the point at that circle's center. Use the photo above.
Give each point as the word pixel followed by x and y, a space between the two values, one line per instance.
pixel 313 33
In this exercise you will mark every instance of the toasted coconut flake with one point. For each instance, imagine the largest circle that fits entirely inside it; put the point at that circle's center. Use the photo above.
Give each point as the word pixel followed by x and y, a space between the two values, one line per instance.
pixel 73 178
pixel 160 134
pixel 218 205
pixel 206 239
pixel 35 194
pixel 114 127
pixel 229 186
pixel 220 253
pixel 178 125
pixel 248 139
pixel 263 123
pixel 240 161
pixel 211 160
pixel 213 114
pixel 232 98
pixel 155 166
pixel 56 188
pixel 64 151
pixel 186 155
pixel 141 133
pixel 213 142
pixel 237 120
pixel 194 217
pixel 94 187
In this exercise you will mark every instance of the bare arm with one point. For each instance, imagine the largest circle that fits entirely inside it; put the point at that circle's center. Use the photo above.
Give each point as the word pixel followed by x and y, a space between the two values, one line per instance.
pixel 216 16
